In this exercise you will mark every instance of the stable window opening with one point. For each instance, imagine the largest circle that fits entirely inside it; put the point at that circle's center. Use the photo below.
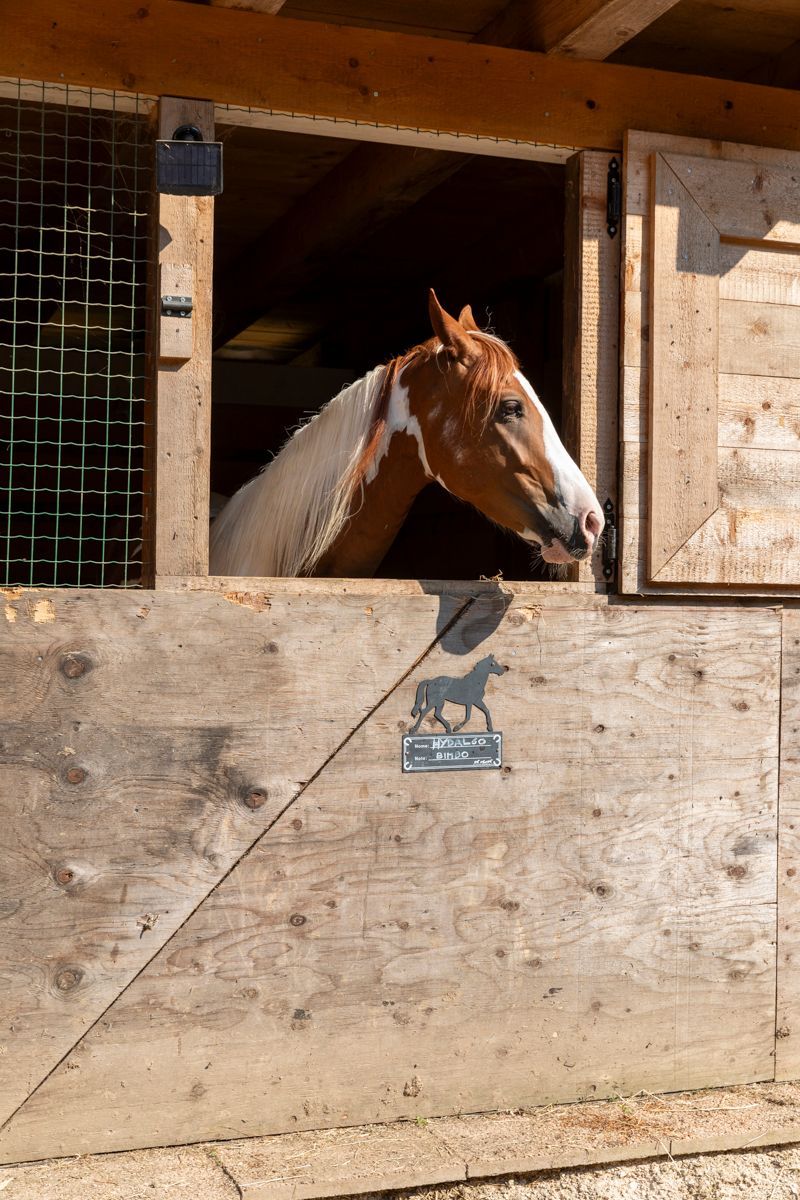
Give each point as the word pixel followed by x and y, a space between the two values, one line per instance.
pixel 325 250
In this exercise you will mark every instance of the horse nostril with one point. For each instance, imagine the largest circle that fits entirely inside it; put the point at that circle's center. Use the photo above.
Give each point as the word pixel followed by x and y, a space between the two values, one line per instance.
pixel 592 522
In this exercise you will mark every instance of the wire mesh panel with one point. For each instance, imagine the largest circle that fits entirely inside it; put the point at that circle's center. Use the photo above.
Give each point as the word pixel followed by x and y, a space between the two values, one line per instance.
pixel 74 196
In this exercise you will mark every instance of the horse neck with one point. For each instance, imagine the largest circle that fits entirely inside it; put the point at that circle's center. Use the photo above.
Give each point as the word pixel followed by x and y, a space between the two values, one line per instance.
pixel 380 505
pixel 480 671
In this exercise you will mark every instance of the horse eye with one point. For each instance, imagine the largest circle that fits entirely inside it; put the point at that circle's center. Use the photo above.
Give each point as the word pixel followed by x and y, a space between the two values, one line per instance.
pixel 510 410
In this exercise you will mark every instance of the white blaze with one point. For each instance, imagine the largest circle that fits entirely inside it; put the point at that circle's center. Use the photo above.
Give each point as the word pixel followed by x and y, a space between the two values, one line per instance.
pixel 569 478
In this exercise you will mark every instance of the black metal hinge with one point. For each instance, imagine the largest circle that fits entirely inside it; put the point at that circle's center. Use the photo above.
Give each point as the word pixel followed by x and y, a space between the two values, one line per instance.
pixel 613 198
pixel 609 550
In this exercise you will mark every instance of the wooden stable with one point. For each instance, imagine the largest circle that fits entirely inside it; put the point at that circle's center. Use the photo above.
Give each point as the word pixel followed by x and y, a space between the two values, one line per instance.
pixel 225 909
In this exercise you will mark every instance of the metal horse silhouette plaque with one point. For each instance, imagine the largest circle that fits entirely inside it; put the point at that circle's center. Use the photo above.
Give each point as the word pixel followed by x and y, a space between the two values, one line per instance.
pixel 454 750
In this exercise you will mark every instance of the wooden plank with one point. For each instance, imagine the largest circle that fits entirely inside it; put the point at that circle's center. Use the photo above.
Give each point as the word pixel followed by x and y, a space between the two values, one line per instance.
pixel 258 6
pixel 183 384
pixel 770 275
pixel 589 29
pixel 380 77
pixel 759 339
pixel 787 1016
pixel 149 740
pixel 616 926
pixel 757 411
pixel 684 280
pixel 591 334
pixel 760 412
pixel 176 334
pixel 743 199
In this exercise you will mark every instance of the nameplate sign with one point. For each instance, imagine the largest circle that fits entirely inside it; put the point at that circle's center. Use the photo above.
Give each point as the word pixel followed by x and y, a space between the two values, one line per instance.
pixel 452 752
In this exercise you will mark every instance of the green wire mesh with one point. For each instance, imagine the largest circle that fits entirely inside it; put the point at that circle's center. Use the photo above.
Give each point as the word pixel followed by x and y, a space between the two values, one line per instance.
pixel 74 233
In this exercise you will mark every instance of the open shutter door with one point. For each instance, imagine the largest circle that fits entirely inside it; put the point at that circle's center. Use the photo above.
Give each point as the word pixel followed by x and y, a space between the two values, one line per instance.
pixel 711 366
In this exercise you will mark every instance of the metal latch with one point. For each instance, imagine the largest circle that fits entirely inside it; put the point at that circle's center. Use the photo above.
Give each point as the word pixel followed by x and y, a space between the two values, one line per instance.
pixel 613 198
pixel 176 306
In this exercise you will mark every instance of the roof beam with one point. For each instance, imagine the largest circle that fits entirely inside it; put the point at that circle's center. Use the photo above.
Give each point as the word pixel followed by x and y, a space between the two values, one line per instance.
pixel 588 29
pixel 378 76
pixel 369 187
pixel 259 6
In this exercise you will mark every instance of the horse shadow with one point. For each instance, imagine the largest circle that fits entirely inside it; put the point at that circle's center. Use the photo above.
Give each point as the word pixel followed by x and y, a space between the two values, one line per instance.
pixel 462 634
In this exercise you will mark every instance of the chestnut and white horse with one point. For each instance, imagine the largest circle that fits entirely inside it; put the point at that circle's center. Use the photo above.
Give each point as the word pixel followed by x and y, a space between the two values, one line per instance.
pixel 456 409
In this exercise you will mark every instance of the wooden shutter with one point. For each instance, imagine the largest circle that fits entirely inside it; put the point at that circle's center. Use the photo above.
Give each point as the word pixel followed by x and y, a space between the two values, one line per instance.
pixel 711 366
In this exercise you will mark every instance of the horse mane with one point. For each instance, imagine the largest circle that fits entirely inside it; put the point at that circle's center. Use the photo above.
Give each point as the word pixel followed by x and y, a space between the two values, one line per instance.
pixel 285 519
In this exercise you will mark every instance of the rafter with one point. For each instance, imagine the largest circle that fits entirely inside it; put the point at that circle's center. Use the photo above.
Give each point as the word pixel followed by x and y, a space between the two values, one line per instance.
pixel 259 6
pixel 589 29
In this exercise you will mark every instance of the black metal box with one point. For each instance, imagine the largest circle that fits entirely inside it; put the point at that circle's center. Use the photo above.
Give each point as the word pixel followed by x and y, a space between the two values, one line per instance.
pixel 188 168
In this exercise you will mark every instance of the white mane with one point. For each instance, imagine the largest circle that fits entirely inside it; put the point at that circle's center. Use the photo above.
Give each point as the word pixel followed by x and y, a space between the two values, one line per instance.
pixel 283 521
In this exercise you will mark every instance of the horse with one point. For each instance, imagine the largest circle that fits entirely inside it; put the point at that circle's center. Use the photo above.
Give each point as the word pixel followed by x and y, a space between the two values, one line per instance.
pixel 456 409
pixel 466 689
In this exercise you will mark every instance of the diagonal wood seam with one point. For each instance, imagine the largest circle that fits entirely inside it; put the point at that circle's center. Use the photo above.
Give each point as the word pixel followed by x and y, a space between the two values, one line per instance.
pixel 681 183
pixel 460 612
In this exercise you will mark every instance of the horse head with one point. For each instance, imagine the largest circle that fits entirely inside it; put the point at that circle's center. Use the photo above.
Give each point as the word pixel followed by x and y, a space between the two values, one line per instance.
pixel 493 666
pixel 485 437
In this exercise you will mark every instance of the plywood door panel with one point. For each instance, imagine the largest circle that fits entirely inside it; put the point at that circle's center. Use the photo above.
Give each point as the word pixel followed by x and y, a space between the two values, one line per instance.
pixel 711 342
pixel 148 741
pixel 597 917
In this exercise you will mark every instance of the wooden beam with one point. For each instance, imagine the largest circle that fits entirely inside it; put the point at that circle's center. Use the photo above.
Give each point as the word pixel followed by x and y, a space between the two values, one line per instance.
pixel 183 365
pixel 370 186
pixel 259 6
pixel 588 29
pixel 377 76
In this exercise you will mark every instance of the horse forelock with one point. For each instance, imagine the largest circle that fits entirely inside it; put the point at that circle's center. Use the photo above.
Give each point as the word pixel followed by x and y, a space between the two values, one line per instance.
pixel 486 376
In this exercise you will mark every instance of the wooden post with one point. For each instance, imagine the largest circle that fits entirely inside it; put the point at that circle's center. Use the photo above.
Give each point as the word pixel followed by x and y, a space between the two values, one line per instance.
pixel 591 334
pixel 182 353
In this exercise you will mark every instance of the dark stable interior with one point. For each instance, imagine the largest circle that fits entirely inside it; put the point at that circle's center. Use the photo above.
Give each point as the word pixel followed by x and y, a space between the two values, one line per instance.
pixel 489 233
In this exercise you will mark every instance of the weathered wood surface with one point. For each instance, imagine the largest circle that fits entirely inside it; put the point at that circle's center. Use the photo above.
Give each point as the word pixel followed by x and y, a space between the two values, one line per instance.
pixel 185 233
pixel 148 741
pixel 744 381
pixel 787 1014
pixel 378 76
pixel 684 338
pixel 591 29
pixel 591 334
pixel 597 917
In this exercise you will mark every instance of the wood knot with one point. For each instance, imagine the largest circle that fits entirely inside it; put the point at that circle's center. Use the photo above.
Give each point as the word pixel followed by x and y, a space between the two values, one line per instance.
pixel 737 872
pixel 256 798
pixel 64 876
pixel 68 978
pixel 75 665
pixel 297 919
pixel 75 775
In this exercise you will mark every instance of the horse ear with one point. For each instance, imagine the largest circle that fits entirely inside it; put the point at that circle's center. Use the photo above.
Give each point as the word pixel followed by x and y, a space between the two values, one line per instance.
pixel 448 330
pixel 467 321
